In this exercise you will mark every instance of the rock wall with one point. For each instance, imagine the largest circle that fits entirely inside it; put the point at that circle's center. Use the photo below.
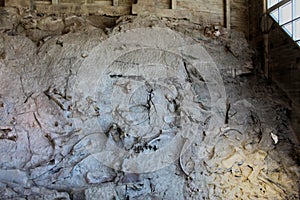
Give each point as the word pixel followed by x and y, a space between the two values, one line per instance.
pixel 146 108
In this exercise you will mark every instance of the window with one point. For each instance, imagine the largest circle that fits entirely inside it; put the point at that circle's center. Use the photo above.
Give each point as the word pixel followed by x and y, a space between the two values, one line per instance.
pixel 272 3
pixel 297 8
pixel 288 28
pixel 275 14
pixel 296 35
pixel 287 15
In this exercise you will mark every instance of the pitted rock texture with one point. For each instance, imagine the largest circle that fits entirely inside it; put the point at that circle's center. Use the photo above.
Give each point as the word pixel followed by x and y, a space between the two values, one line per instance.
pixel 81 114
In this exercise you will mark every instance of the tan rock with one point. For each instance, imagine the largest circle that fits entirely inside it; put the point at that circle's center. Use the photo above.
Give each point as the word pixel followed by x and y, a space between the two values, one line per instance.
pixel 246 171
pixel 257 158
pixel 253 176
pixel 235 158
pixel 236 171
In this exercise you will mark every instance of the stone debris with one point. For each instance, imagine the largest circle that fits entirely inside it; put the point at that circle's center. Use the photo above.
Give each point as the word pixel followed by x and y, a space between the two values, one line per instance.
pixel 57 135
pixel 274 137
pixel 84 55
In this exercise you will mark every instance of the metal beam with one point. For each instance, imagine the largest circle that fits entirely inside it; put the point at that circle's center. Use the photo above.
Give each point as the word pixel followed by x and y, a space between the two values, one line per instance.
pixel 290 21
pixel 32 5
pixel 278 5
pixel 115 2
pixel 228 14
pixel 173 4
pixel 266 45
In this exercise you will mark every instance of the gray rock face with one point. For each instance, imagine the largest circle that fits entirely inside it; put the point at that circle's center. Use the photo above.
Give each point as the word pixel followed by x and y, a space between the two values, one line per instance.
pixel 137 114
pixel 148 93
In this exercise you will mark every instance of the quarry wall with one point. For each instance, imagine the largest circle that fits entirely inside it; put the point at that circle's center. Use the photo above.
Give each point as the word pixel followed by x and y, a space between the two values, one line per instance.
pixel 233 14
